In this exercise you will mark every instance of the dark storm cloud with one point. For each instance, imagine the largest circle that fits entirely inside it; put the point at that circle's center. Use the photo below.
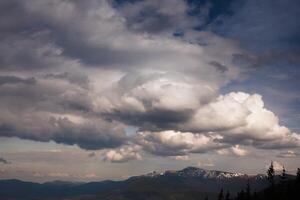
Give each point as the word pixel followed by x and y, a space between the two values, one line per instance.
pixel 62 112
pixel 219 66
pixel 16 80
pixel 73 78
pixel 34 38
pixel 153 119
pixel 156 17
pixel 91 135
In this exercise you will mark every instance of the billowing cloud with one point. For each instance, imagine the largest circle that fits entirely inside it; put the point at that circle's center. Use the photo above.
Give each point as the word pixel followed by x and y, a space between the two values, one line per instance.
pixel 79 73
pixel 239 151
pixel 123 154
pixel 55 110
pixel 172 143
pixel 235 150
pixel 242 117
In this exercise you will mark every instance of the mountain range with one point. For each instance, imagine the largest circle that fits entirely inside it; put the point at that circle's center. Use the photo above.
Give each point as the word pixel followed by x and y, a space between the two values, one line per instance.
pixel 190 183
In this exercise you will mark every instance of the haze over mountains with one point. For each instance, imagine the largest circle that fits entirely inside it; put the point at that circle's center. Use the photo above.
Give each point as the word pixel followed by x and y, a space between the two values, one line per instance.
pixel 188 183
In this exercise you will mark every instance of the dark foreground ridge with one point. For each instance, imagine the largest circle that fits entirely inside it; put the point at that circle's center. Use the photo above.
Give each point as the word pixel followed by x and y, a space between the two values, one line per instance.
pixel 190 183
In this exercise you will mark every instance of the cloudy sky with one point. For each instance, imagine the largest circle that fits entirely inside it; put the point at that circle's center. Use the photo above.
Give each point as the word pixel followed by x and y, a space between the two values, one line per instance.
pixel 106 89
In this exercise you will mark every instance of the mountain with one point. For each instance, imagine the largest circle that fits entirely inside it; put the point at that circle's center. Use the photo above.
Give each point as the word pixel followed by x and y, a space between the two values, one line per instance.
pixel 195 172
pixel 190 183
pixel 63 183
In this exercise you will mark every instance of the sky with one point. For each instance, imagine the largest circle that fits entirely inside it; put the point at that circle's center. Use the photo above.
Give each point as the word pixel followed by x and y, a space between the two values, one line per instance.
pixel 107 89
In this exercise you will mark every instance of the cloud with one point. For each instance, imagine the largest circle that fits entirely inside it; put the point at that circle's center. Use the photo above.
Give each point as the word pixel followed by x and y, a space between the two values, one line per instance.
pixel 184 158
pixel 174 143
pixel 288 154
pixel 16 80
pixel 55 110
pixel 239 151
pixel 235 150
pixel 79 73
pixel 123 154
pixel 155 16
pixel 244 123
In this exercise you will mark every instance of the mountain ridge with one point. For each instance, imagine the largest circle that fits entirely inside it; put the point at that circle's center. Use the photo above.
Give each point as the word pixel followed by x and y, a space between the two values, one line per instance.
pixel 192 181
pixel 199 172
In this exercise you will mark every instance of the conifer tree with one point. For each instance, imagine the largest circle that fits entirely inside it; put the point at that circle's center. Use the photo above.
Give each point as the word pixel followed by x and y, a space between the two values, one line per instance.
pixel 283 174
pixel 271 174
pixel 298 175
pixel 248 191
pixel 227 197
pixel 241 195
pixel 221 195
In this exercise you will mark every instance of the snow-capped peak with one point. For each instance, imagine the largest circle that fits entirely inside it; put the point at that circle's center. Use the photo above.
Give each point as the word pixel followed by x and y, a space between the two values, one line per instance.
pixel 197 172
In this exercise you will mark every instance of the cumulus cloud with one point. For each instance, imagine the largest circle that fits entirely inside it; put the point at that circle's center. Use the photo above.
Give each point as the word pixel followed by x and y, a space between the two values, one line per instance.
pixel 236 118
pixel 173 143
pixel 235 150
pixel 123 154
pixel 79 73
pixel 241 116
pixel 239 151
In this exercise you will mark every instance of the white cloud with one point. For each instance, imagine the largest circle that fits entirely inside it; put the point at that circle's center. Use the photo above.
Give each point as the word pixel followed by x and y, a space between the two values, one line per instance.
pixel 237 150
pixel 242 117
pixel 123 154
pixel 174 143
pixel 184 158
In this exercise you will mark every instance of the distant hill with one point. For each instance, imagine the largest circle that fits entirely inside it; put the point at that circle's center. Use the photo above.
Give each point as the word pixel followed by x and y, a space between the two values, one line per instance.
pixel 190 183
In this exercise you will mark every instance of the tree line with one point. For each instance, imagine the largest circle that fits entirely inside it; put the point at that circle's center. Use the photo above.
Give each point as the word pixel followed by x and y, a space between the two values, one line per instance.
pixel 280 188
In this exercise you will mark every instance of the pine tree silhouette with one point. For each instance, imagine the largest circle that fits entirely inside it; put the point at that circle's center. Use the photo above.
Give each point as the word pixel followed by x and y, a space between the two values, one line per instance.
pixel 248 191
pixel 271 174
pixel 283 174
pixel 227 197
pixel 221 195
pixel 241 195
pixel 298 175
